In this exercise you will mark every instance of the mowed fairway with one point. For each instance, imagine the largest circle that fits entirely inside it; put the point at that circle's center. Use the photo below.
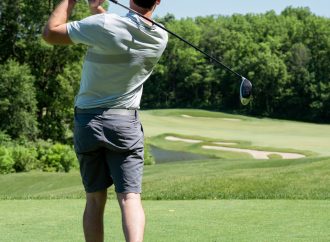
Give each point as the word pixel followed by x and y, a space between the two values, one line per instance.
pixel 227 197
pixel 260 132
pixel 178 221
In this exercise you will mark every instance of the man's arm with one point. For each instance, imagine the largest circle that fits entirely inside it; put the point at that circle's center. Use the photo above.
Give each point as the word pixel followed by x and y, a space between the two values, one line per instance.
pixel 55 31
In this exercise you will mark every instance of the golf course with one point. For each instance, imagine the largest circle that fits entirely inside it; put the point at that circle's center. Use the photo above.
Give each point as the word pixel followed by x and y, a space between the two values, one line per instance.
pixel 206 184
pixel 234 102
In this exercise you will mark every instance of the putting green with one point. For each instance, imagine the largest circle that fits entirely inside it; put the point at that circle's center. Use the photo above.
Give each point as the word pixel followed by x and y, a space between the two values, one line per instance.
pixel 278 134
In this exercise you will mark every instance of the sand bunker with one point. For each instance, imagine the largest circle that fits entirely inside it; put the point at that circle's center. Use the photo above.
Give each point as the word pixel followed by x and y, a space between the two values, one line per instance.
pixel 192 141
pixel 256 154
pixel 232 119
pixel 224 143
pixel 226 119
pixel 260 155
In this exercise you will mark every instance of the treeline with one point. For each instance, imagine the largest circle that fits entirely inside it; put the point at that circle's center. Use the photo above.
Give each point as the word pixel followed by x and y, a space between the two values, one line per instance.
pixel 286 56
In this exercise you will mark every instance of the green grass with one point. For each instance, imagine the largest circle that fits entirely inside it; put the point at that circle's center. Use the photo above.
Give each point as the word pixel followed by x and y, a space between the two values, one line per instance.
pixel 237 179
pixel 179 221
pixel 38 185
pixel 279 134
pixel 161 142
pixel 297 191
pixel 209 179
pixel 227 175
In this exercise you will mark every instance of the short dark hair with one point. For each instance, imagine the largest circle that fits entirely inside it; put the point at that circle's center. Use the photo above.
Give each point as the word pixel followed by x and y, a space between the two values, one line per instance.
pixel 145 3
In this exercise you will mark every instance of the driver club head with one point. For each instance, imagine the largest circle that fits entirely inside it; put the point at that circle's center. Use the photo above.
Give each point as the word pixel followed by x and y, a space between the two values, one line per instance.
pixel 245 91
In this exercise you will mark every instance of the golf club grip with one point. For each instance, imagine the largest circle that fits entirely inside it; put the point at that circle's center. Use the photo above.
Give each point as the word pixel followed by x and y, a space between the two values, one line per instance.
pixel 179 37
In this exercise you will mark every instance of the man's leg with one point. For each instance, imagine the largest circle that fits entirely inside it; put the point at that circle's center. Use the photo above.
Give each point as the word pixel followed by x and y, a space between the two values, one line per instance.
pixel 133 218
pixel 93 216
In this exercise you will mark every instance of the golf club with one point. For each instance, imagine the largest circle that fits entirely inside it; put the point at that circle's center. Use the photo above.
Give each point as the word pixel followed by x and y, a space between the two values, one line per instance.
pixel 246 85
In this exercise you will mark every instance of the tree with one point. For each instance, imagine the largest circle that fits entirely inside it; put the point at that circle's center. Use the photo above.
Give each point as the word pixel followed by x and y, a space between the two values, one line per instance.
pixel 50 65
pixel 17 101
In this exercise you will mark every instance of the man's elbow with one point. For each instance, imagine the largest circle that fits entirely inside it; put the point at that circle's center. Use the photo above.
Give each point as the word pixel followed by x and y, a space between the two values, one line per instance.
pixel 48 36
pixel 56 37
pixel 51 36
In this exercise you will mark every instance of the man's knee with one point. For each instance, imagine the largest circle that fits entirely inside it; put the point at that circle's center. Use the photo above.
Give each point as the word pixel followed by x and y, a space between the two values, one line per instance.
pixel 124 198
pixel 97 199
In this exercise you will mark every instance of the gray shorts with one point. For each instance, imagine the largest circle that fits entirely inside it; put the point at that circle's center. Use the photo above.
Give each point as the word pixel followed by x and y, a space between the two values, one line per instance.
pixel 109 147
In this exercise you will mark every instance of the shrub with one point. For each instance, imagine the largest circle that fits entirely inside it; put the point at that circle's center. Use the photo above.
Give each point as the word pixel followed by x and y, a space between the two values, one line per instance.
pixel 6 161
pixel 25 158
pixel 148 158
pixel 5 139
pixel 56 157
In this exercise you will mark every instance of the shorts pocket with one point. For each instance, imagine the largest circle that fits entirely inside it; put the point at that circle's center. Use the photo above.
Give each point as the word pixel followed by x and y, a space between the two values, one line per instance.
pixel 125 135
pixel 87 133
pixel 83 119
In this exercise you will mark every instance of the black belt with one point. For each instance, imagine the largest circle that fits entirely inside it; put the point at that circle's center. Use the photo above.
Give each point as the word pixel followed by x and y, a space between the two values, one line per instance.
pixel 107 111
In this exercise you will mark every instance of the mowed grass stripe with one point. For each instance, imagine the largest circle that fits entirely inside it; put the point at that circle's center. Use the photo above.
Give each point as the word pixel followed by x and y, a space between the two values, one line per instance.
pixel 307 178
pixel 184 221
pixel 238 179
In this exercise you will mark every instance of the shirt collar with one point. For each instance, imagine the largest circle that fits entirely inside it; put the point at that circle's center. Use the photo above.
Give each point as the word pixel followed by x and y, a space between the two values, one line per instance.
pixel 137 19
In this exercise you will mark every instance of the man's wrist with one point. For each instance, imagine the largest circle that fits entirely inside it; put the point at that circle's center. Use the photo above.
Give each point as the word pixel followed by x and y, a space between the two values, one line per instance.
pixel 97 10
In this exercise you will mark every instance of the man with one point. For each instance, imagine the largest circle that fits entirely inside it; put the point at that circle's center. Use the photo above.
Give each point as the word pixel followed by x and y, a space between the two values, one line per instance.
pixel 108 135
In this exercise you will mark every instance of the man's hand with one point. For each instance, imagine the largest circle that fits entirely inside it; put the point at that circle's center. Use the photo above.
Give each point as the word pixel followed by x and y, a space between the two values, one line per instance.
pixel 95 6
pixel 95 3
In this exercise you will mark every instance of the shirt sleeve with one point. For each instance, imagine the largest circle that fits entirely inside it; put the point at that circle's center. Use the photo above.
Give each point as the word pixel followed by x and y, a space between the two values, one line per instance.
pixel 86 31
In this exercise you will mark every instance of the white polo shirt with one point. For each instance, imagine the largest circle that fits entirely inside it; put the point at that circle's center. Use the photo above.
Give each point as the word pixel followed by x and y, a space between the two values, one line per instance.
pixel 121 56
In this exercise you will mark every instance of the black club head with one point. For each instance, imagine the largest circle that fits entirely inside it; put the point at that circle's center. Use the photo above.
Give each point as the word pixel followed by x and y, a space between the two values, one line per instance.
pixel 245 91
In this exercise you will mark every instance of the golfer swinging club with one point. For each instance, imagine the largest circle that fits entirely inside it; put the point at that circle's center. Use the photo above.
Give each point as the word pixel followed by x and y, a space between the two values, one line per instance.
pixel 108 136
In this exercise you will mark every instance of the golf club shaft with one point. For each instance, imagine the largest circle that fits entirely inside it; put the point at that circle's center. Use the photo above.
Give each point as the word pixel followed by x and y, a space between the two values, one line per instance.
pixel 179 37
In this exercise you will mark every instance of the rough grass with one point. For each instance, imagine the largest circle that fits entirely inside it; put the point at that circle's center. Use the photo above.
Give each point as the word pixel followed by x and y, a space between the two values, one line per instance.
pixel 38 185
pixel 182 221
pixel 237 179
pixel 307 178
